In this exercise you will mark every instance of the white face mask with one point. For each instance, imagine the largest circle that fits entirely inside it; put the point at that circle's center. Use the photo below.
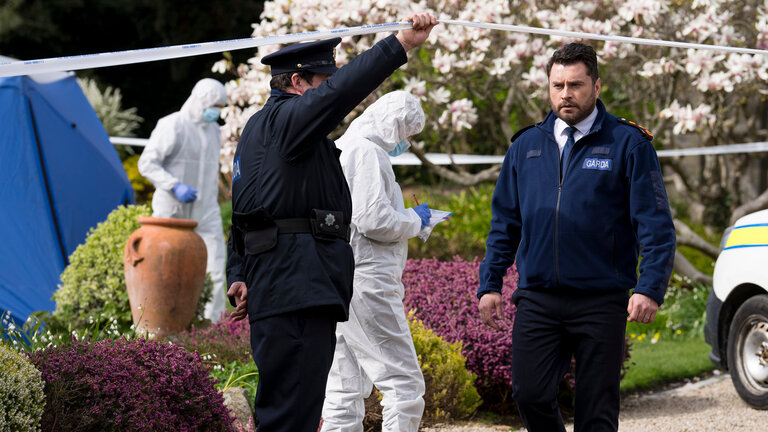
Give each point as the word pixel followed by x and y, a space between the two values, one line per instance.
pixel 400 148
pixel 211 114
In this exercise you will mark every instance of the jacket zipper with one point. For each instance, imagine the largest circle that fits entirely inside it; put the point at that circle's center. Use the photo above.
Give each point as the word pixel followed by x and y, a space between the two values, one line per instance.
pixel 613 254
pixel 557 225
pixel 561 176
pixel 557 205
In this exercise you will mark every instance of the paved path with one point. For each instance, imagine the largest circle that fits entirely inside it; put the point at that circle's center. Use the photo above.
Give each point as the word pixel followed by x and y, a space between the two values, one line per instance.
pixel 711 405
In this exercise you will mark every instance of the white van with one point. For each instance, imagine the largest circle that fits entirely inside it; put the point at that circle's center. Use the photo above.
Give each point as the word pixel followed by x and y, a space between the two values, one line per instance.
pixel 737 308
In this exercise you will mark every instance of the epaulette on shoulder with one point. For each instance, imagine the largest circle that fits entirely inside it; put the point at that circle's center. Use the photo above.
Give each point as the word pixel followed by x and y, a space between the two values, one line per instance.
pixel 645 131
pixel 520 132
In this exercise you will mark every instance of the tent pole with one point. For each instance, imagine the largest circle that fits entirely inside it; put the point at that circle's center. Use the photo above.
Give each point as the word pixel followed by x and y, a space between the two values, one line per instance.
pixel 48 193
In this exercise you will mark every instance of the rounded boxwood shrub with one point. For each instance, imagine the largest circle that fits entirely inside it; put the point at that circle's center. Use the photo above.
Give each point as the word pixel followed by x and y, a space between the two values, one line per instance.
pixel 128 385
pixel 21 392
pixel 93 287
pixel 451 392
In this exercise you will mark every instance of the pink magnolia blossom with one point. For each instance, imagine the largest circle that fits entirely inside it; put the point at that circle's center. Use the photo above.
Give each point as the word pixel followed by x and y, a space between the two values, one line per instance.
pixel 688 119
pixel 416 86
pixel 461 114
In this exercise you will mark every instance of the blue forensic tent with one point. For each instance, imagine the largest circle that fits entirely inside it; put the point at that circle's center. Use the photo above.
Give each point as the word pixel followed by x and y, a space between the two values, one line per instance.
pixel 59 176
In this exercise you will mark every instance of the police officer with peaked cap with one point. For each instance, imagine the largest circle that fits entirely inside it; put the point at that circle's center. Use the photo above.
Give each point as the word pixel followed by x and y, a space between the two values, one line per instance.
pixel 290 265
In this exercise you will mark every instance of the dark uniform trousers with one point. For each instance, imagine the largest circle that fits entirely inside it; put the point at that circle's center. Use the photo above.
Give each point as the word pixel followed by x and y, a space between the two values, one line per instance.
pixel 551 327
pixel 293 353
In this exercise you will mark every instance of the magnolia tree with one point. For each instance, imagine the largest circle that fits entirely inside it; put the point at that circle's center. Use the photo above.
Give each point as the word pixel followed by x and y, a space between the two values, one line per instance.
pixel 478 86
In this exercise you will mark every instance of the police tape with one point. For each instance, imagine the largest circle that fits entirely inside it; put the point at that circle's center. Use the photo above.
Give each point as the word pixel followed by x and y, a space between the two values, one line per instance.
pixel 606 38
pixel 469 159
pixel 115 58
pixel 89 61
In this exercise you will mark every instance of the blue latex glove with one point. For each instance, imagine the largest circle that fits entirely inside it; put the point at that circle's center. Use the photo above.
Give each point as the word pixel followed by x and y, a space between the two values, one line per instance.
pixel 424 213
pixel 185 193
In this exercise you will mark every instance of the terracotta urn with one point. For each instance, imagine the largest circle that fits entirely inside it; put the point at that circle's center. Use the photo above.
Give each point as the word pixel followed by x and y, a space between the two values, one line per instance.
pixel 164 263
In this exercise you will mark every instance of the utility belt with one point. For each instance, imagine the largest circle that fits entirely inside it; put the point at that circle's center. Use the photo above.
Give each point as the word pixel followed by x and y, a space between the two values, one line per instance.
pixel 256 232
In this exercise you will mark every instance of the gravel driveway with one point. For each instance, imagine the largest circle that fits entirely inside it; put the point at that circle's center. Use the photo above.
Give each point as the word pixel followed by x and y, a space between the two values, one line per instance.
pixel 711 405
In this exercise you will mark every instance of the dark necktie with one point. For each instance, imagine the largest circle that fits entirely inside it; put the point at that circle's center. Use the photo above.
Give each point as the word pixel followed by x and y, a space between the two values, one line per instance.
pixel 567 149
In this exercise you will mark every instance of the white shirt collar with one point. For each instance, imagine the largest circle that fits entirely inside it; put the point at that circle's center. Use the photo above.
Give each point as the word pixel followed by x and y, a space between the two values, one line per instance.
pixel 582 128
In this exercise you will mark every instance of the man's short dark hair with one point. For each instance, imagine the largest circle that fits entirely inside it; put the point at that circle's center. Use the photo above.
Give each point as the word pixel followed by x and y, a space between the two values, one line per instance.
pixel 283 81
pixel 576 53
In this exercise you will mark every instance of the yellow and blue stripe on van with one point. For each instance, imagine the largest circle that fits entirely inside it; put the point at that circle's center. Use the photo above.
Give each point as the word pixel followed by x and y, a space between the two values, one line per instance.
pixel 747 236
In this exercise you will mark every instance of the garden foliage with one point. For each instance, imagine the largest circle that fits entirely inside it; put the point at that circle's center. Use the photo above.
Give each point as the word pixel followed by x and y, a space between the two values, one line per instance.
pixel 443 296
pixel 21 392
pixel 128 385
pixel 143 189
pixel 226 341
pixel 465 232
pixel 226 346
pixel 108 104
pixel 236 374
pixel 682 316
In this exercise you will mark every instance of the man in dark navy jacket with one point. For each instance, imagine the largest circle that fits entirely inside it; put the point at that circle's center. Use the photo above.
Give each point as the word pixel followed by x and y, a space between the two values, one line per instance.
pixel 290 265
pixel 579 196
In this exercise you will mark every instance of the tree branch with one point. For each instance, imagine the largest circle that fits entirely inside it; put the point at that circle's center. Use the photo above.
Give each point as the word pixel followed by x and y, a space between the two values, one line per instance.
pixel 759 203
pixel 686 237
pixel 685 268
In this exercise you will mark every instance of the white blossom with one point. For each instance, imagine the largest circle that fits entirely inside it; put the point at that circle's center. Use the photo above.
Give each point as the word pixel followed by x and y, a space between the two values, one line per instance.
pixel 440 96
pixel 444 62
pixel 646 11
pixel 461 114
pixel 688 119
pixel 416 86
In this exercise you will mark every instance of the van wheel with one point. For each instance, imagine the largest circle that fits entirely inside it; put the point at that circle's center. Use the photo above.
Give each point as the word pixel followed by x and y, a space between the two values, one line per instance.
pixel 748 351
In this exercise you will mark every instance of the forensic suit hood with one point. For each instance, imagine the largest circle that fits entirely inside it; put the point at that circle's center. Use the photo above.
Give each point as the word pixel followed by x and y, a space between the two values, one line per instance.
pixel 183 148
pixel 394 117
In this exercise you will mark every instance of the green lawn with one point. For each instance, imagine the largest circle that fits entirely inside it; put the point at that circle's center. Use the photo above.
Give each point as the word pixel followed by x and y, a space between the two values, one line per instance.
pixel 670 360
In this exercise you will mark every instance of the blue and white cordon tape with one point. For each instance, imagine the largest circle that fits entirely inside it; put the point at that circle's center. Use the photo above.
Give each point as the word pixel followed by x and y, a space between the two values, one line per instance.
pixel 89 61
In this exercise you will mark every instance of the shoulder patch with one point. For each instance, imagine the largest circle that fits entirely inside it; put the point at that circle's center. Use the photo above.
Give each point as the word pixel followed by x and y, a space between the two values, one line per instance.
pixel 520 132
pixel 645 131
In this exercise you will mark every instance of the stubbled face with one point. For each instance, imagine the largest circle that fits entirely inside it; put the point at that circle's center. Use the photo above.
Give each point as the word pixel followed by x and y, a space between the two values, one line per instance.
pixel 572 94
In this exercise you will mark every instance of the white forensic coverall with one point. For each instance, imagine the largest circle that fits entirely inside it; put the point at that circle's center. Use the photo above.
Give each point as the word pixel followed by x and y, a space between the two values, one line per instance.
pixel 375 346
pixel 184 148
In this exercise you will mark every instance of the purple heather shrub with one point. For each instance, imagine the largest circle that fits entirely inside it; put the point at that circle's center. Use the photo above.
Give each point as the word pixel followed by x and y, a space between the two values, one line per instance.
pixel 225 341
pixel 443 296
pixel 128 385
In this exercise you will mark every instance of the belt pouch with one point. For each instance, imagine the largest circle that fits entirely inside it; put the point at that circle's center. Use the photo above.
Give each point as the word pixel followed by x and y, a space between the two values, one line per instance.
pixel 259 228
pixel 327 225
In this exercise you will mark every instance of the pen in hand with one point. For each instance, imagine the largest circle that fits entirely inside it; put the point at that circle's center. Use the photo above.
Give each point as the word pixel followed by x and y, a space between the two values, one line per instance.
pixel 414 198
